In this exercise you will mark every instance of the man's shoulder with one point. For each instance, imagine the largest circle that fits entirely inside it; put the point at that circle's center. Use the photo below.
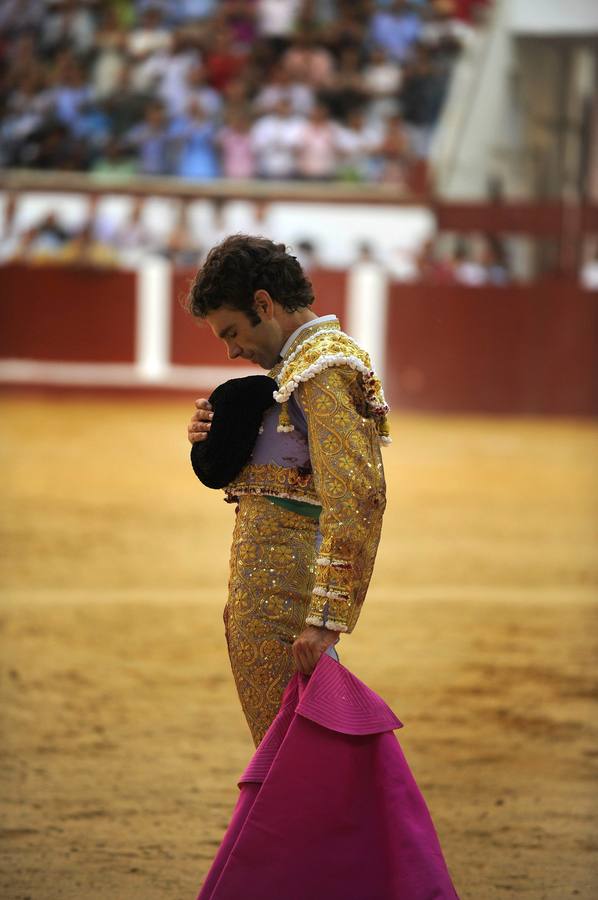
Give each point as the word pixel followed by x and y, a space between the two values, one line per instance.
pixel 331 356
pixel 320 350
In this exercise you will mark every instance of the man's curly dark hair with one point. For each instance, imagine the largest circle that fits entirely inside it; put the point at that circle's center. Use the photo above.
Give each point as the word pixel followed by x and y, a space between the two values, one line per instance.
pixel 239 266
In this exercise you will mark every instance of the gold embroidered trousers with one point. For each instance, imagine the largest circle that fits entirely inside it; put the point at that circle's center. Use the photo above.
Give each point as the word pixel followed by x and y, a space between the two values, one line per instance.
pixel 271 580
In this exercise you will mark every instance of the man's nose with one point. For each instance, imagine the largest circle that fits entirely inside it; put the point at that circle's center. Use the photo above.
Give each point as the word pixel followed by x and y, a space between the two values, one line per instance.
pixel 234 351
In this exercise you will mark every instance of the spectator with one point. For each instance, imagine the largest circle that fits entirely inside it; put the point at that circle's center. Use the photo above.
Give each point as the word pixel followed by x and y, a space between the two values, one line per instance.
pixel 421 96
pixel 152 141
pixel 71 94
pixel 150 37
pixel 87 250
pixel 275 140
pixel 359 141
pixel 54 147
pixel 365 253
pixel 197 90
pixel 432 268
pixel 223 61
pixel 174 82
pixel 234 141
pixel 44 242
pixel 21 60
pixel 348 89
pixel 113 161
pixel 306 62
pixel 148 48
pixel 236 96
pixel 101 226
pixel 182 248
pixel 443 32
pixel 68 25
pixel 133 238
pixel 194 134
pixel 276 20
pixel 281 86
pixel 21 16
pixel 395 29
pixel 126 107
pixel 589 272
pixel 318 139
pixel 381 81
pixel 26 110
pixel 307 255
pixel 469 268
pixel 110 43
pixel 496 261
pixel 394 155
pixel 239 19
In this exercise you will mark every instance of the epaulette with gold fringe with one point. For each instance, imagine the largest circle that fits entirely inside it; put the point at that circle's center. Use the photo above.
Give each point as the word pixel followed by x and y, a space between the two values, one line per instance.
pixel 318 351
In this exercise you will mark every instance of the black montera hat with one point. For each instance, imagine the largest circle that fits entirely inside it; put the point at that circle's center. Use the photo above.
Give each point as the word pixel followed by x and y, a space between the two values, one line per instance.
pixel 239 406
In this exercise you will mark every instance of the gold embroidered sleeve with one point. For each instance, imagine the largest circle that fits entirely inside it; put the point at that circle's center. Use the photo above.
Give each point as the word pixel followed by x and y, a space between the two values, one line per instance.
pixel 349 479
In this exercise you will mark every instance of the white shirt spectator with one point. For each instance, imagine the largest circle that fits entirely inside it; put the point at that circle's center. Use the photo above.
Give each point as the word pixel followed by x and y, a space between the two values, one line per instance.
pixel 382 80
pixel 357 141
pixel 143 42
pixel 276 18
pixel 471 273
pixel 382 75
pixel 173 88
pixel 275 139
pixel 300 96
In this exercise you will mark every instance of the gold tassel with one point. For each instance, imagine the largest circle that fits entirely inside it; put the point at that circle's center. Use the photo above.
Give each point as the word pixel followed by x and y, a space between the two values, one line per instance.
pixel 284 420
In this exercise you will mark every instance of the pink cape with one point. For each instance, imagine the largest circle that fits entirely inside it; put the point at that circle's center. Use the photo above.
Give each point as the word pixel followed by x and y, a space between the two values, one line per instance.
pixel 328 808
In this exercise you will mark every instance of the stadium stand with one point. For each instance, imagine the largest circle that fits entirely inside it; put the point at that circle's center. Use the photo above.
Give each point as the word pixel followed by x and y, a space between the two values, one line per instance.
pixel 239 88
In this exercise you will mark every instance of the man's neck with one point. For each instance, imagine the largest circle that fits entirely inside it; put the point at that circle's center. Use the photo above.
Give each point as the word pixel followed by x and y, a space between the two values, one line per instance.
pixel 293 320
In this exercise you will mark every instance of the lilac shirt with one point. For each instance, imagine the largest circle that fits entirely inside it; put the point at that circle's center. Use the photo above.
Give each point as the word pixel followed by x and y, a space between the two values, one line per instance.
pixel 288 449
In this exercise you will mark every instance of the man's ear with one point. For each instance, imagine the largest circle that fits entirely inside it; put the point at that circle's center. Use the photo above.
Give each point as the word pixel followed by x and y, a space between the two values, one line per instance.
pixel 263 304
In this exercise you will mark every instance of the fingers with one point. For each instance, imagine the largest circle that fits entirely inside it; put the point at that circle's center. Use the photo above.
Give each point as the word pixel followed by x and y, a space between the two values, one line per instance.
pixel 306 656
pixel 199 427
pixel 298 657
pixel 200 421
pixel 202 415
pixel 195 436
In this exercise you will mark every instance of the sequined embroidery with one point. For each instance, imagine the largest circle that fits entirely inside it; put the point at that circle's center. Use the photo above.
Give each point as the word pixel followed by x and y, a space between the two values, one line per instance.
pixel 271 579
pixel 274 481
pixel 349 480
pixel 323 347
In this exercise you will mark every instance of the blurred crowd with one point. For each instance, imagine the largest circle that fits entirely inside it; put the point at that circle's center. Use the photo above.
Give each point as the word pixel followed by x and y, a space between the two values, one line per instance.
pixel 475 261
pixel 108 235
pixel 110 231
pixel 201 89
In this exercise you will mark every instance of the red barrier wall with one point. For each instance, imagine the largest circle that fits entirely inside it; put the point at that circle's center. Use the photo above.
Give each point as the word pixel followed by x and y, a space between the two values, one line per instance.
pixel 50 313
pixel 521 349
pixel 193 344
pixel 530 349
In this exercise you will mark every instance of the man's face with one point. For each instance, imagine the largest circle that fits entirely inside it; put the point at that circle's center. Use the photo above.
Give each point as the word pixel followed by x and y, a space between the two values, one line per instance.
pixel 260 344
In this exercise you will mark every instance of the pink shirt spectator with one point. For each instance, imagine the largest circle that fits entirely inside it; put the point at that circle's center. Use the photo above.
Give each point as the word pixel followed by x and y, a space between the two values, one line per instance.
pixel 235 143
pixel 318 146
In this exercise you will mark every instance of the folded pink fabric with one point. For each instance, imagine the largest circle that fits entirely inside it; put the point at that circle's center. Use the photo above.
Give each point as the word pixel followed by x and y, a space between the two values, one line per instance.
pixel 328 808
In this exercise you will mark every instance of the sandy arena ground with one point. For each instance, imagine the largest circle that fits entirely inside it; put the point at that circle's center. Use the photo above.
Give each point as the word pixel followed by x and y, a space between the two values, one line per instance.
pixel 121 732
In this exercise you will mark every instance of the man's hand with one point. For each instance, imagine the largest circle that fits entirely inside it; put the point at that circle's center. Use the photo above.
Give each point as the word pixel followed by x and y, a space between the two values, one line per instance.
pixel 310 645
pixel 200 423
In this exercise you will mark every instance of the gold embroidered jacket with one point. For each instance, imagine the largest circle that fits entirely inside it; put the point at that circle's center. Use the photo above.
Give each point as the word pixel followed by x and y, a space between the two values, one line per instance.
pixel 329 380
